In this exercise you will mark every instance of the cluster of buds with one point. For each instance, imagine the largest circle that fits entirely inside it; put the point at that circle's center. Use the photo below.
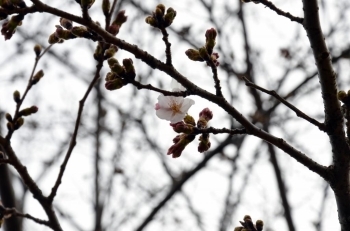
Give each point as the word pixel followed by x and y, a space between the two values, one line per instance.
pixel 85 4
pixel 120 75
pixel 205 53
pixel 108 49
pixel 9 27
pixel 119 20
pixel 12 4
pixel 187 128
pixel 18 121
pixel 247 225
pixel 161 19
pixel 66 31
pixel 344 98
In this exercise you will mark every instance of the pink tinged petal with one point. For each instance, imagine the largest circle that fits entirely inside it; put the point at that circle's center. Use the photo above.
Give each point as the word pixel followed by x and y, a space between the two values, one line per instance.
pixel 157 106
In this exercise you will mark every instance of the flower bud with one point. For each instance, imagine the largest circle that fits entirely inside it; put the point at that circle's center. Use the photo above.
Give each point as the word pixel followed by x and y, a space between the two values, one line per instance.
pixel 8 117
pixel 111 76
pixel 36 78
pixel 194 55
pixel 206 114
pixel 151 21
pixel 66 23
pixel 29 111
pixel 189 120
pixel 204 53
pixel 181 127
pixel 204 143
pixel 106 6
pixel 53 39
pixel 86 4
pixel 120 18
pixel 19 123
pixel 109 53
pixel 80 31
pixel 10 126
pixel 129 69
pixel 259 225
pixel 37 50
pixel 17 96
pixel 342 96
pixel 114 84
pixel 169 17
pixel 112 61
pixel 161 7
pixel 117 68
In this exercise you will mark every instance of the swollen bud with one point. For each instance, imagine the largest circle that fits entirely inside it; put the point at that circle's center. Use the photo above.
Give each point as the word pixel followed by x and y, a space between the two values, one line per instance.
pixel 169 17
pixel 129 68
pixel 86 4
pixel 106 6
pixel 189 120
pixel 194 55
pixel 37 50
pixel 8 117
pixel 29 111
pixel 36 78
pixel 114 84
pixel 204 53
pixel 259 225
pixel 19 123
pixel 66 23
pixel 17 96
pixel 151 21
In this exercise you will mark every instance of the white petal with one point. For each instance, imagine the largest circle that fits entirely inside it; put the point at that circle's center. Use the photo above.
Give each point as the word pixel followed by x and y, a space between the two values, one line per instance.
pixel 186 104
pixel 177 117
pixel 164 114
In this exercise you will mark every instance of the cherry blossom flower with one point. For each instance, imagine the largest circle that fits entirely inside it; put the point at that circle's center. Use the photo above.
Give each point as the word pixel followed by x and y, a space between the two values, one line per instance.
pixel 172 108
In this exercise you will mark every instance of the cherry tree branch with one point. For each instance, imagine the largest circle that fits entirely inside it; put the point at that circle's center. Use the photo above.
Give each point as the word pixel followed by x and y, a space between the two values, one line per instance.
pixel 280 12
pixel 192 88
pixel 299 113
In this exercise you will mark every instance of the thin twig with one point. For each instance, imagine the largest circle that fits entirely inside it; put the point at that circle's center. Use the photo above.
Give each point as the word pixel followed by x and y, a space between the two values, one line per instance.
pixel 299 113
pixel 281 12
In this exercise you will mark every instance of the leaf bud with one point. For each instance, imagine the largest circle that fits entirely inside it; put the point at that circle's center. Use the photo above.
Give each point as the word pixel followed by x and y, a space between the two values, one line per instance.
pixel 117 68
pixel 36 78
pixel 17 96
